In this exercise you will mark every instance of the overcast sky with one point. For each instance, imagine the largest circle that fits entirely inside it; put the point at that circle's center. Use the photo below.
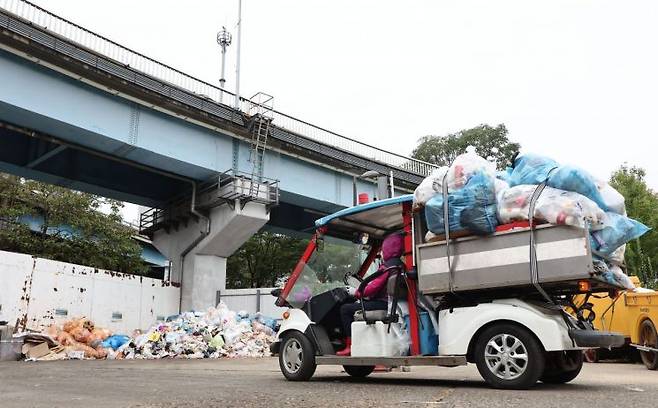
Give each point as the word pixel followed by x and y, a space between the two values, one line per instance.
pixel 575 80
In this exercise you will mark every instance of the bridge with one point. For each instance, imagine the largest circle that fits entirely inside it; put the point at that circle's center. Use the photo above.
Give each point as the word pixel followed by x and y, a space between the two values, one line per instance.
pixel 81 111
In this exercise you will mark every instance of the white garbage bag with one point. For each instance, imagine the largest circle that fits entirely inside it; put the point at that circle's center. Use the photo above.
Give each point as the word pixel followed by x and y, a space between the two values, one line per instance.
pixel 430 186
pixel 465 166
pixel 611 197
pixel 555 206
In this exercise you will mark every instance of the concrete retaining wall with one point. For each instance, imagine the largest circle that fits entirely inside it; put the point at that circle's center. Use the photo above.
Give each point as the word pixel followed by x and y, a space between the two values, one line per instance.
pixel 37 292
pixel 252 301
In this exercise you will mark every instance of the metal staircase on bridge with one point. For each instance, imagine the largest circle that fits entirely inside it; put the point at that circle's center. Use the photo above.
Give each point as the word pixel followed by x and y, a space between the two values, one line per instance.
pixel 231 188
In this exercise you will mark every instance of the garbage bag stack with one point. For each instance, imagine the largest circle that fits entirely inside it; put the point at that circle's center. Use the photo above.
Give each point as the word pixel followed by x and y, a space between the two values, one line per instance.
pixel 219 332
pixel 479 199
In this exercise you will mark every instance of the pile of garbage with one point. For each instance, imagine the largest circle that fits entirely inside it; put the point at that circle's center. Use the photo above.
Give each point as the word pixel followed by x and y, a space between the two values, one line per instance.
pixel 216 333
pixel 481 198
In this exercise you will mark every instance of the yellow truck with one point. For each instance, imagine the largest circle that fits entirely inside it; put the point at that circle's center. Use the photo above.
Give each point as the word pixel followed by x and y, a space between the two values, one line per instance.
pixel 634 314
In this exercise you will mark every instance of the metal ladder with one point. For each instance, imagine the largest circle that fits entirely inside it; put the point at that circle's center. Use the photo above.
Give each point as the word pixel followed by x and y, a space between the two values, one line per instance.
pixel 261 114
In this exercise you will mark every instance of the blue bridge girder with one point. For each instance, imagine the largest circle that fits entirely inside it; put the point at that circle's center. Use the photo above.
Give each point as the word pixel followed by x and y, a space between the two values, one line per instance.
pixel 75 117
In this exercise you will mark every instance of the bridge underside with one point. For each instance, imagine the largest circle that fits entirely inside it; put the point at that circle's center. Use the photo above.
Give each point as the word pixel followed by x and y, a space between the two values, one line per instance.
pixel 75 118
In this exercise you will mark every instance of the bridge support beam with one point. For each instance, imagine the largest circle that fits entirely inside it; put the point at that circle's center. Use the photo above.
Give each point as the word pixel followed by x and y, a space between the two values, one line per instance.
pixel 201 268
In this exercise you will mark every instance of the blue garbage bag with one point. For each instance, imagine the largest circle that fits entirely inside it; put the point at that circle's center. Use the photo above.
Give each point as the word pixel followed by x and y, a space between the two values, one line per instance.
pixel 617 231
pixel 531 169
pixel 570 178
pixel 115 341
pixel 471 208
pixel 535 169
pixel 504 174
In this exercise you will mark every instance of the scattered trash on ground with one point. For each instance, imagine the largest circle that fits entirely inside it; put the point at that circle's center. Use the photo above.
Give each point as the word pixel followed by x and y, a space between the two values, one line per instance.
pixel 216 333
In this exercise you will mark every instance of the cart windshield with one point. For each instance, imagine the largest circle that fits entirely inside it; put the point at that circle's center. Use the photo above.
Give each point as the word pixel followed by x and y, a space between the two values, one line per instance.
pixel 326 269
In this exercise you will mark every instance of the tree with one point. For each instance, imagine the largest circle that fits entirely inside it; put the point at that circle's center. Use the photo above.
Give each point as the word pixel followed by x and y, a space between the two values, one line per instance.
pixel 642 205
pixel 264 258
pixel 489 142
pixel 66 225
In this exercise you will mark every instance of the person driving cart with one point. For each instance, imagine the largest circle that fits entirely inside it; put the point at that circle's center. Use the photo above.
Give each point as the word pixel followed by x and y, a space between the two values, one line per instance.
pixel 372 294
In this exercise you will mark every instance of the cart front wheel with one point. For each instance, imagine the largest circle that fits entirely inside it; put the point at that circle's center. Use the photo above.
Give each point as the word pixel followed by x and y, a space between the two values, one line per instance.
pixel 649 338
pixel 297 357
pixel 509 356
pixel 358 371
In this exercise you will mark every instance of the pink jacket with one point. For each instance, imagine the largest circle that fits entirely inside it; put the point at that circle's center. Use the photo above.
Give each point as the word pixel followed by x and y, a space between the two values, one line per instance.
pixel 392 247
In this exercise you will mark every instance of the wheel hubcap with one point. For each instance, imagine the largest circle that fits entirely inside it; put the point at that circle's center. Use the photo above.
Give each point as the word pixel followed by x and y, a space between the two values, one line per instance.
pixel 292 355
pixel 506 356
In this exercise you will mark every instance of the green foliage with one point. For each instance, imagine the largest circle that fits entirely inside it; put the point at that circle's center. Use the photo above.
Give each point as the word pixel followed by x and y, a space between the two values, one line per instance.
pixel 489 142
pixel 642 205
pixel 73 228
pixel 264 258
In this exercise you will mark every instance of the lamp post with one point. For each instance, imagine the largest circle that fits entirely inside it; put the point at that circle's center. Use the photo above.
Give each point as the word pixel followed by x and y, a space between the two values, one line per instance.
pixel 383 183
pixel 237 56
pixel 224 39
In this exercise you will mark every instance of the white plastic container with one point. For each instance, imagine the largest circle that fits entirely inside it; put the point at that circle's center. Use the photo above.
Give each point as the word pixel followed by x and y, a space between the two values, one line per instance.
pixel 375 340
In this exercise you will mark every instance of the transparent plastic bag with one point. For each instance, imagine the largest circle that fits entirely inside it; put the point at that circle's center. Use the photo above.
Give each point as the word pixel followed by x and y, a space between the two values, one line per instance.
pixel 471 208
pixel 430 186
pixel 466 166
pixel 612 199
pixel 554 206
pixel 617 230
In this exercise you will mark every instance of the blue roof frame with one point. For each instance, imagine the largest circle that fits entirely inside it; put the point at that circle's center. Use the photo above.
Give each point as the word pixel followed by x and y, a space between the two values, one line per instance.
pixel 363 207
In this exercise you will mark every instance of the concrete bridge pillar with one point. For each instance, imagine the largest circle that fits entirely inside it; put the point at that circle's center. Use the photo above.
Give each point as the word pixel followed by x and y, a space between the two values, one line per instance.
pixel 198 261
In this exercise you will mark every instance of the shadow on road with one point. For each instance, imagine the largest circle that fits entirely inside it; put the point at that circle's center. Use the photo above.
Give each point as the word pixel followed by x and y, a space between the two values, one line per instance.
pixel 428 382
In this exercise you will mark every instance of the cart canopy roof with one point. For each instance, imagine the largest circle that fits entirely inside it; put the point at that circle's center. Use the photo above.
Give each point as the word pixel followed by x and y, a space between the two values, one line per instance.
pixel 377 218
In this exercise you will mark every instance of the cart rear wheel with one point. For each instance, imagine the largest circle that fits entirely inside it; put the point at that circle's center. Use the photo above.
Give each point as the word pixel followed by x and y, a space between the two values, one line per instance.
pixel 358 371
pixel 649 338
pixel 562 367
pixel 297 357
pixel 509 356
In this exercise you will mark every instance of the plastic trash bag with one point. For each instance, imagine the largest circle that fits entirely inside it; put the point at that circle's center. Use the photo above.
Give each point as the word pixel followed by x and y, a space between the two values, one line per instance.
pixel 617 230
pixel 531 169
pixel 612 199
pixel 575 179
pixel 616 276
pixel 471 208
pixel 115 341
pixel 430 186
pixel 617 256
pixel 504 175
pixel 535 169
pixel 216 342
pixel 554 206
pixel 466 166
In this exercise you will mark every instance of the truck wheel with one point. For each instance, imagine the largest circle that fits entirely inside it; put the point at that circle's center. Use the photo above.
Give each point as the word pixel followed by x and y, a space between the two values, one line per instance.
pixel 562 367
pixel 649 338
pixel 508 356
pixel 358 371
pixel 297 357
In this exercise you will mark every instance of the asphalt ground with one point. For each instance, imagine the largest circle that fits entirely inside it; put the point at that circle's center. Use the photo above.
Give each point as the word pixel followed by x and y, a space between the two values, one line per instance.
pixel 258 383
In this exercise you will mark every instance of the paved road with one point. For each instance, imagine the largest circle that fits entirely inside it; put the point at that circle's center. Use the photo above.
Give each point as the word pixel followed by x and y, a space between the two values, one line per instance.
pixel 258 383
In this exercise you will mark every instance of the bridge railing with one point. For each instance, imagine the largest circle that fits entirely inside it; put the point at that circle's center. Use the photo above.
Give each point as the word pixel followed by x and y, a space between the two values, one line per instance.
pixel 133 59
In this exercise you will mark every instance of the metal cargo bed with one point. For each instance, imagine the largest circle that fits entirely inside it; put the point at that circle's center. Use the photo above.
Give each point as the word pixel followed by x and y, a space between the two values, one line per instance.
pixel 502 262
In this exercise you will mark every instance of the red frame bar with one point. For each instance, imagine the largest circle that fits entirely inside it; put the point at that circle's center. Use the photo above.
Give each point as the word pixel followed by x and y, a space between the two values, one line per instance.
pixel 409 264
pixel 370 259
pixel 308 252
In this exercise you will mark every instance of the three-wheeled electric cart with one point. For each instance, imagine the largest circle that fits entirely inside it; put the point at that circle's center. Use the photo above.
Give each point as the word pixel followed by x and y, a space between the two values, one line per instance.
pixel 497 301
